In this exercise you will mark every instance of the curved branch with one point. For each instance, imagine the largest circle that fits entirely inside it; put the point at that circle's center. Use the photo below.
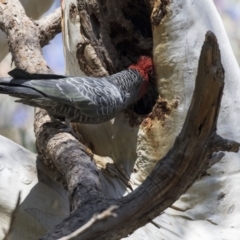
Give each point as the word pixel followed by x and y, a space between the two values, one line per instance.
pixel 97 217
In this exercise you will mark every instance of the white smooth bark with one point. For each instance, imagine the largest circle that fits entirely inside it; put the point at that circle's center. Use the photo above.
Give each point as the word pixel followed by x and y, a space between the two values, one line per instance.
pixel 43 204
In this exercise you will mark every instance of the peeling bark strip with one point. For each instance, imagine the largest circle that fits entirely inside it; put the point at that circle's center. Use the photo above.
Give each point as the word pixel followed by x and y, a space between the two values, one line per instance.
pixel 173 175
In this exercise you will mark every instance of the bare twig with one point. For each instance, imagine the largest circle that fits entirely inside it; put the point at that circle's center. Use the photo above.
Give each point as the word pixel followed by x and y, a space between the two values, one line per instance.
pixel 96 217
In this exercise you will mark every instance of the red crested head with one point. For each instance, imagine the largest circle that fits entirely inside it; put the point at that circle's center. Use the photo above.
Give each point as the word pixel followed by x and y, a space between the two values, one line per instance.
pixel 144 66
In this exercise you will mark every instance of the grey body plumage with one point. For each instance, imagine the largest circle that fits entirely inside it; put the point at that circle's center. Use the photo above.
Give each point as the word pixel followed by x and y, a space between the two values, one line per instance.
pixel 80 99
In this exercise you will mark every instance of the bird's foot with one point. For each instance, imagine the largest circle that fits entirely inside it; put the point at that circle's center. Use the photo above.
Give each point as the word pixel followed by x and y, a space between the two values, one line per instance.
pixel 70 130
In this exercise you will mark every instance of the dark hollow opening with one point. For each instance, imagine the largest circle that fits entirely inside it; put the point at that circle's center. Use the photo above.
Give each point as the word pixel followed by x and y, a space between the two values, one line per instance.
pixel 131 40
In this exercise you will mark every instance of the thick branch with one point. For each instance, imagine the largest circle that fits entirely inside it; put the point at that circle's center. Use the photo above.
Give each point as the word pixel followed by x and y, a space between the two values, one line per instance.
pixel 70 157
pixel 23 38
pixel 49 26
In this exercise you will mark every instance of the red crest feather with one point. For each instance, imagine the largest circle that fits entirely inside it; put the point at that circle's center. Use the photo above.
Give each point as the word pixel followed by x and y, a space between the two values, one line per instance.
pixel 144 66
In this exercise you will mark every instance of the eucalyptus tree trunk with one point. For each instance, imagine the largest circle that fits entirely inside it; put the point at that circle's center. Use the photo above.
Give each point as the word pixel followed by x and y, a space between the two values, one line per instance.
pixel 103 37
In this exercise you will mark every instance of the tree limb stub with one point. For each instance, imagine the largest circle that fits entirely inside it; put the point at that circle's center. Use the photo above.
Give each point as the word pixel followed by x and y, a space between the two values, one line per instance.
pixel 174 174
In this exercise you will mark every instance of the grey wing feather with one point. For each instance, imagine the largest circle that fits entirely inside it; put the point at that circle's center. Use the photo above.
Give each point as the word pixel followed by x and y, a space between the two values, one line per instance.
pixel 91 96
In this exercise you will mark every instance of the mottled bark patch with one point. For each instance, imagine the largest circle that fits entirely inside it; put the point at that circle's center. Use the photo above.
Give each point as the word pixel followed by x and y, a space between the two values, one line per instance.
pixel 73 12
pixel 162 108
pixel 159 11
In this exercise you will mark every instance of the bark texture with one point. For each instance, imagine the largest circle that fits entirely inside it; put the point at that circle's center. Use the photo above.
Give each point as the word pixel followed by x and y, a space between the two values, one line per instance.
pixel 33 10
pixel 49 26
pixel 23 38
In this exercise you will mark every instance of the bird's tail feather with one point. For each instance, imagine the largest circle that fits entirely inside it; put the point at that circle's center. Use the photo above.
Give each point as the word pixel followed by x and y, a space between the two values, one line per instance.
pixel 21 74
pixel 19 91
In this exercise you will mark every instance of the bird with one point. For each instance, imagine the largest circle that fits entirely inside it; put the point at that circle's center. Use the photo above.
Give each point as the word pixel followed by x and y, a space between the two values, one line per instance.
pixel 80 99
